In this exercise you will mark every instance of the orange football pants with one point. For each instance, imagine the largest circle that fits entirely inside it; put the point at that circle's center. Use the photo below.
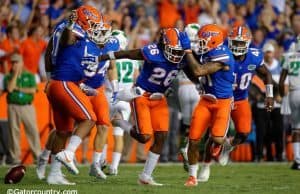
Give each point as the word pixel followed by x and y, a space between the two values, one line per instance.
pixel 215 115
pixel 242 116
pixel 101 107
pixel 69 104
pixel 150 115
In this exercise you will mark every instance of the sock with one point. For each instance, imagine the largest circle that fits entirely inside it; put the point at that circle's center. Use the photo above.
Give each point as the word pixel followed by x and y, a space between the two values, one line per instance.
pixel 116 157
pixel 55 167
pixel 150 163
pixel 96 157
pixel 45 154
pixel 104 153
pixel 296 149
pixel 74 143
pixel 193 169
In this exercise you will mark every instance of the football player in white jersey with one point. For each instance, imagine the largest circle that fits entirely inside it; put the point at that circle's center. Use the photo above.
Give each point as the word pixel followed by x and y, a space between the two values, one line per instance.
pixel 188 96
pixel 291 68
pixel 128 70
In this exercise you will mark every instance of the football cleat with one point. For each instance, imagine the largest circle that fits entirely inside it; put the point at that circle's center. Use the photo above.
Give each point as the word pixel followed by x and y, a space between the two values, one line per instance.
pixel 183 153
pixel 95 170
pixel 113 171
pixel 58 179
pixel 204 173
pixel 67 159
pixel 191 182
pixel 41 167
pixel 225 154
pixel 147 180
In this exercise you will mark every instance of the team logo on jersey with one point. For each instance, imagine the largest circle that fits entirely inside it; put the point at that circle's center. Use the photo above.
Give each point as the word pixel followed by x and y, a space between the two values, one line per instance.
pixel 251 67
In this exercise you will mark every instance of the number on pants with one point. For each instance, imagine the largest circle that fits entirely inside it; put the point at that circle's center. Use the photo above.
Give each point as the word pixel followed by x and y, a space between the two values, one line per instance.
pixel 159 75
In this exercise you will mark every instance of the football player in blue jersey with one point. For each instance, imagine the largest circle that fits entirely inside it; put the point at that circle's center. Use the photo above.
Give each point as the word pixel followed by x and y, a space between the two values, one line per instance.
pixel 213 109
pixel 247 62
pixel 71 62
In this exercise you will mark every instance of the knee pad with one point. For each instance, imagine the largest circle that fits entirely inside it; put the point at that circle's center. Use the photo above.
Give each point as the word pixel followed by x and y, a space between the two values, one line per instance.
pixel 118 131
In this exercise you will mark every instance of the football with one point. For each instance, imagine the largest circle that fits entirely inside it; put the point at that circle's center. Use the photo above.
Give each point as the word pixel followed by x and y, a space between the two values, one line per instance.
pixel 15 174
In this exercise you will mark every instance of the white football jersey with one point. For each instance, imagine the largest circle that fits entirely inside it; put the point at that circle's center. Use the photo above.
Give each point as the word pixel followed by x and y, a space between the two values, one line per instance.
pixel 292 65
pixel 126 69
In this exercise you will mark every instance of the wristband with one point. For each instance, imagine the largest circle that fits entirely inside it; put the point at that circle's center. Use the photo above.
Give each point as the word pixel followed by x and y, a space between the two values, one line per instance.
pixel 111 55
pixel 269 90
pixel 115 85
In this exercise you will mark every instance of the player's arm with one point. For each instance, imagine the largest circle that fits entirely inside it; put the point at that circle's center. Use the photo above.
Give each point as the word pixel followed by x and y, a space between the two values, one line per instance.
pixel 135 54
pixel 267 77
pixel 283 75
pixel 205 69
pixel 48 62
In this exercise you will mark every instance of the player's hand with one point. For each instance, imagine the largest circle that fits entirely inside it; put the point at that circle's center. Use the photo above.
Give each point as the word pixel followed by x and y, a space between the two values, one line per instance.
pixel 269 103
pixel 89 91
pixel 185 41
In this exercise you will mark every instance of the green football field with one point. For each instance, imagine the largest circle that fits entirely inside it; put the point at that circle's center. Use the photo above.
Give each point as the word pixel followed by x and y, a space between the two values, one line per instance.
pixel 256 178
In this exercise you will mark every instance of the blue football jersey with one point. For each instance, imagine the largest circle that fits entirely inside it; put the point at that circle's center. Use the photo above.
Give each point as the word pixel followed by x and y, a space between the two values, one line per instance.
pixel 243 72
pixel 98 79
pixel 157 72
pixel 67 61
pixel 219 83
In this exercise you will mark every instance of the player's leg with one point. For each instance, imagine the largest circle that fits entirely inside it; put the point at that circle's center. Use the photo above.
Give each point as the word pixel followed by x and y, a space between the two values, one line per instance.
pixel 122 112
pixel 242 117
pixel 295 113
pixel 65 125
pixel 160 125
pixel 199 123
pixel 67 97
pixel 220 125
pixel 101 109
pixel 142 129
pixel 43 158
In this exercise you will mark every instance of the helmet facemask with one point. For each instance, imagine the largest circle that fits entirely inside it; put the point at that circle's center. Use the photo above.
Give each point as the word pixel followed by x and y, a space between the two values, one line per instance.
pixel 174 54
pixel 238 47
pixel 99 32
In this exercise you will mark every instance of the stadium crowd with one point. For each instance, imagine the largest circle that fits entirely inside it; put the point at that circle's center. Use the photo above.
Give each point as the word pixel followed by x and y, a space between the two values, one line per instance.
pixel 26 27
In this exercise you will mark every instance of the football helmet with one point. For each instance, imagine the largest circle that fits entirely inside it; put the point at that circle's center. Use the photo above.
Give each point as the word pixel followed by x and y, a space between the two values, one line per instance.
pixel 94 23
pixel 122 38
pixel 171 46
pixel 210 37
pixel 239 40
pixel 192 32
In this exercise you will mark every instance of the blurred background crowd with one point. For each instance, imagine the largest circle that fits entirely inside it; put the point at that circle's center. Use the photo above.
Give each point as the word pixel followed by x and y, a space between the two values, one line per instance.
pixel 26 25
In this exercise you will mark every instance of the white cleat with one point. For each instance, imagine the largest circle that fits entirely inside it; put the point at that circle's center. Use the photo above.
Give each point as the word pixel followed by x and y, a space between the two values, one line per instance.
pixel 204 173
pixel 113 171
pixel 147 180
pixel 58 179
pixel 67 159
pixel 95 170
pixel 41 167
pixel 225 154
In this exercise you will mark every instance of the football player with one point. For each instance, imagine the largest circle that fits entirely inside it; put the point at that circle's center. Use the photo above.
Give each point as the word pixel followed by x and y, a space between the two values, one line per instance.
pixel 247 62
pixel 213 109
pixel 70 63
pixel 291 68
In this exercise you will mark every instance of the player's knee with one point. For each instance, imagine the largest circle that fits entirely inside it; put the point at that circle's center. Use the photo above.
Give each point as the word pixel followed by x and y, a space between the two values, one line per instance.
pixel 193 145
pixel 240 137
pixel 144 138
pixel 118 131
pixel 218 140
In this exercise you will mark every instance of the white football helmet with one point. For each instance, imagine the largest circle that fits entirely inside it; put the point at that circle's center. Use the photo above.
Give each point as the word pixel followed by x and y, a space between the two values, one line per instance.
pixel 122 38
pixel 192 31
